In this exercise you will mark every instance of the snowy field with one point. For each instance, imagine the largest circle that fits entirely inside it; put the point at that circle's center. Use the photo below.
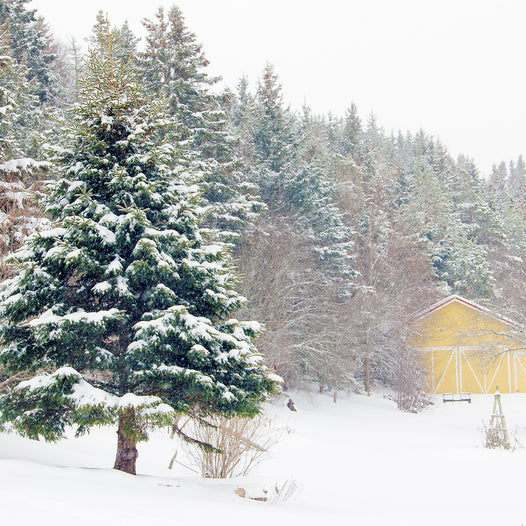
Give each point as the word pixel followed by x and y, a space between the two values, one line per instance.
pixel 358 462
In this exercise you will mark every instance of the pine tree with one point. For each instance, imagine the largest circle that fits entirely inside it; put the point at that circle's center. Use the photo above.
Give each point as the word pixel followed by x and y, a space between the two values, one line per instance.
pixel 242 115
pixel 517 180
pixel 30 42
pixel 352 134
pixel 299 261
pixel 18 214
pixel 310 187
pixel 121 301
pixel 127 41
pixel 15 100
pixel 470 231
pixel 174 66
pixel 274 126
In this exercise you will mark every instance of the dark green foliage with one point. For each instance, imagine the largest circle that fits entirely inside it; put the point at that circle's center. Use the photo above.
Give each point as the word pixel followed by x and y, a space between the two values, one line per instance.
pixel 30 45
pixel 357 208
pixel 46 407
pixel 173 66
pixel 123 288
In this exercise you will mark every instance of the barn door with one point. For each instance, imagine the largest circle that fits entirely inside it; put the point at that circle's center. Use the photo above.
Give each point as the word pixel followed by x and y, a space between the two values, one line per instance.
pixel 519 370
pixel 472 378
pixel 444 370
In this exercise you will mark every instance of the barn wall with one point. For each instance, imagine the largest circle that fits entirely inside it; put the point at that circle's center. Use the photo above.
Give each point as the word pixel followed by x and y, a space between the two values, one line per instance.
pixel 469 350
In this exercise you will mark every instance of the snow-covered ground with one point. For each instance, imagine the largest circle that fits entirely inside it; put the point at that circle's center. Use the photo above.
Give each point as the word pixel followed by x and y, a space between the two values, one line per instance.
pixel 358 462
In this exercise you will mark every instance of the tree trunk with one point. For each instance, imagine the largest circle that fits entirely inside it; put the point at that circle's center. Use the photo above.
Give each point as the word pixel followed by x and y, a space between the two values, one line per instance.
pixel 367 378
pixel 127 453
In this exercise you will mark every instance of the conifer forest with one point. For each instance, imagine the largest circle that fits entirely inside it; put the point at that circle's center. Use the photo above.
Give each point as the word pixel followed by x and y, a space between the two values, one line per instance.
pixel 168 247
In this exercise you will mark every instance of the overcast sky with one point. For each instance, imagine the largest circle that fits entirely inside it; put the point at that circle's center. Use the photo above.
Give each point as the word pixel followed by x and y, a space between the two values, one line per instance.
pixel 455 68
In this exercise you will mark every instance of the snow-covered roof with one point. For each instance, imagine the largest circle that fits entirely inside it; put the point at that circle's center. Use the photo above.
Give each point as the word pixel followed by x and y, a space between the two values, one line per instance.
pixel 468 303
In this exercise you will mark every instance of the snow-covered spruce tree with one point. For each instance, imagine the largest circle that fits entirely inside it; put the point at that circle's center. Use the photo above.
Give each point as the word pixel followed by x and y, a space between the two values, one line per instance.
pixel 30 43
pixel 173 66
pixel 18 172
pixel 274 136
pixel 120 300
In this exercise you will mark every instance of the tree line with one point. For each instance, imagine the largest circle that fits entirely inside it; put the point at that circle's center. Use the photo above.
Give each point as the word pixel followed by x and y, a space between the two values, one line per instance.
pixel 338 231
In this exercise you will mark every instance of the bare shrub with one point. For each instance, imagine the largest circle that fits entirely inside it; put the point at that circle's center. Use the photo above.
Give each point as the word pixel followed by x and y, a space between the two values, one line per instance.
pixel 408 380
pixel 240 444
pixel 282 492
pixel 492 440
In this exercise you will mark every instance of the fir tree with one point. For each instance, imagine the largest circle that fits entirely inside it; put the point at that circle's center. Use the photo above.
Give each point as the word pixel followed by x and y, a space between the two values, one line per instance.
pixel 15 101
pixel 274 126
pixel 121 300
pixel 517 180
pixel 352 134
pixel 30 44
pixel 127 41
pixel 242 115
pixel 174 66
pixel 18 173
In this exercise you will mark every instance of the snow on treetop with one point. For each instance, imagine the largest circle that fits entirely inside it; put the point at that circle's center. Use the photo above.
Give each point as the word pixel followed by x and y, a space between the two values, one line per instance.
pixel 109 218
pixel 106 121
pixel 74 254
pixel 122 286
pixel 12 299
pixel 163 287
pixel 168 232
pixel 200 349
pixel 228 395
pixel 84 394
pixel 241 326
pixel 56 250
pixel 190 263
pixel 106 234
pixel 251 325
pixel 197 376
pixel 242 351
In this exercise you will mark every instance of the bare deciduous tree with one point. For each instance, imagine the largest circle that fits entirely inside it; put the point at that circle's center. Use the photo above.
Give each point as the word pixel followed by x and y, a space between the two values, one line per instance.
pixel 291 293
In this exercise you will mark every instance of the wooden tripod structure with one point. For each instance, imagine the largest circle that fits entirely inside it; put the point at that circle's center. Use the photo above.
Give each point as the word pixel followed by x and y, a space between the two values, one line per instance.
pixel 497 433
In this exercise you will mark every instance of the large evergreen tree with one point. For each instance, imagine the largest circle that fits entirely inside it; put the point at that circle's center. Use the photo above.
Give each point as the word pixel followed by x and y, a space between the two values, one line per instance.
pixel 121 300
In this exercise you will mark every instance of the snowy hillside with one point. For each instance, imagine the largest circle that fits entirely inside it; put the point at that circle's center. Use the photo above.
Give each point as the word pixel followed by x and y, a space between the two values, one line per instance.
pixel 359 461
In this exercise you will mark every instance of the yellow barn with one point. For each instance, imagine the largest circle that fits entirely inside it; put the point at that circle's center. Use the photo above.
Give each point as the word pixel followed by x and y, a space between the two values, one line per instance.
pixel 466 348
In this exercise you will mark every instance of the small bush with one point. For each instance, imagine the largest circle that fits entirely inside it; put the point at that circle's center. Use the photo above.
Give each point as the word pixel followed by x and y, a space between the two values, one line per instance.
pixel 240 443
